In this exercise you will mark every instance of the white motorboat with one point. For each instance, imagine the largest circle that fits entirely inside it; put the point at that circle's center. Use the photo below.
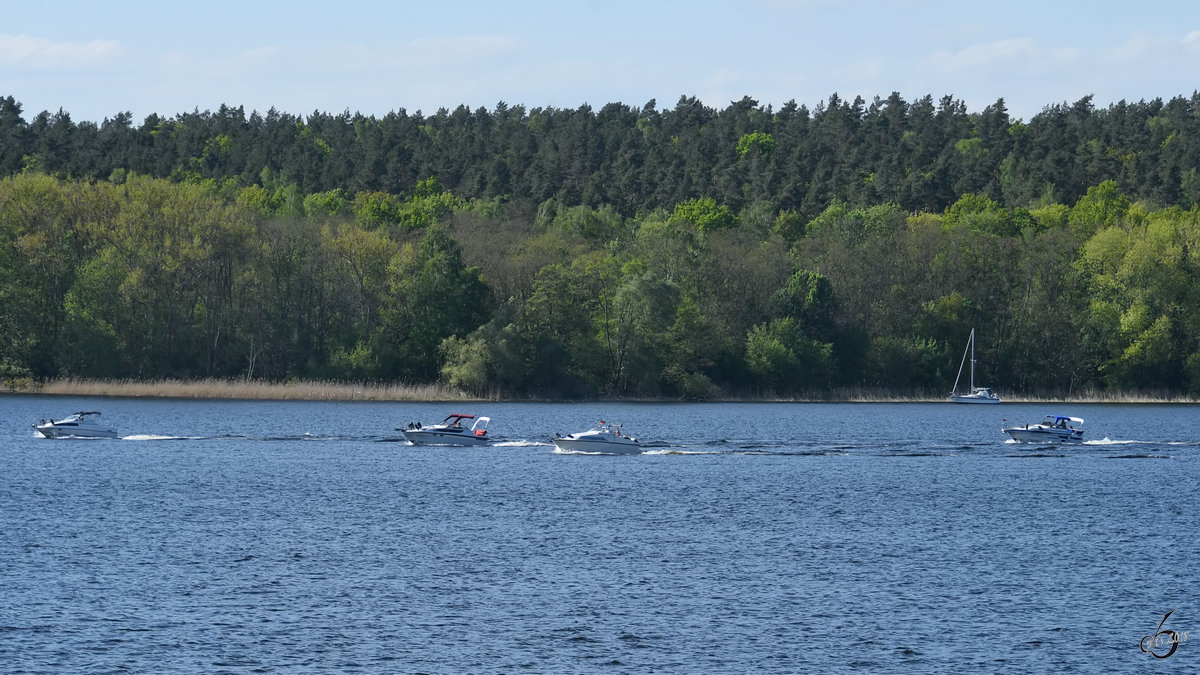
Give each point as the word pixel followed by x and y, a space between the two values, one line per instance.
pixel 605 438
pixel 1052 429
pixel 451 431
pixel 79 425
pixel 974 394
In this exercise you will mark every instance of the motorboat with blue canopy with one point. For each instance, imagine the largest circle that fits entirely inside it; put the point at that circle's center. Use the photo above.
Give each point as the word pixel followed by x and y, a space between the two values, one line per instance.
pixel 1052 429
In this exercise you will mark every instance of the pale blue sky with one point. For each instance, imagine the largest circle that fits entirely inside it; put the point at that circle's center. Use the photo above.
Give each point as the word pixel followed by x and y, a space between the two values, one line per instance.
pixel 96 59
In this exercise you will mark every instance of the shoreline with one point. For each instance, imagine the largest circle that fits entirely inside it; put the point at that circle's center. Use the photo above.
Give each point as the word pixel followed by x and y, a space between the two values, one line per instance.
pixel 217 389
pixel 316 390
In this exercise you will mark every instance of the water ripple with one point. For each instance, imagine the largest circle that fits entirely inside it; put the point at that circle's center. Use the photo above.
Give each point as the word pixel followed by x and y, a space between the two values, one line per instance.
pixel 848 549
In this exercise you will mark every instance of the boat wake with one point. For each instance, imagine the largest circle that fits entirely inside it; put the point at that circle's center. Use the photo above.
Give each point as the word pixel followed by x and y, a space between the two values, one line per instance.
pixel 747 451
pixel 240 437
pixel 1118 442
pixel 560 451
pixel 156 437
pixel 1109 441
pixel 301 437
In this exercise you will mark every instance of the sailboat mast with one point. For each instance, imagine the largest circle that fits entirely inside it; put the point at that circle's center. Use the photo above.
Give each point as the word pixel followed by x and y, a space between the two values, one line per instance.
pixel 963 363
pixel 972 360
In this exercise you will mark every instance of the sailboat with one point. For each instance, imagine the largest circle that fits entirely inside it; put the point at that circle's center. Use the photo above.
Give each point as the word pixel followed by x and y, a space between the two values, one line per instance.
pixel 976 394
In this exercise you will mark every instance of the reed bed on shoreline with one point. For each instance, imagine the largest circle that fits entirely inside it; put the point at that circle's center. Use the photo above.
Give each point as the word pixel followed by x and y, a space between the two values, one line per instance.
pixel 1101 397
pixel 317 390
pixel 257 390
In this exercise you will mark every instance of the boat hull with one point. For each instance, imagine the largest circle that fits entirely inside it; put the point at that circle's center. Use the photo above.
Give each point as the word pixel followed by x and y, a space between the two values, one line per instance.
pixel 1043 435
pixel 54 431
pixel 459 438
pixel 974 399
pixel 597 446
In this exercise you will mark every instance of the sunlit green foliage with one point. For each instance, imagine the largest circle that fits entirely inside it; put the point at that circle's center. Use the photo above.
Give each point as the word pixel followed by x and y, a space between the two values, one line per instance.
pixel 757 141
pixel 151 279
pixel 705 214
pixel 630 252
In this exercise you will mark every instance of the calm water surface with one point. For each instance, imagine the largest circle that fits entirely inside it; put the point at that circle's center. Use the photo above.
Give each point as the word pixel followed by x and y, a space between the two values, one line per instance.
pixel 239 537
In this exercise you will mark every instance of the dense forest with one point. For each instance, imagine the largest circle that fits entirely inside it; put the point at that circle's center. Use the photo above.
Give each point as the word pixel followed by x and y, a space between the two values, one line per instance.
pixel 689 253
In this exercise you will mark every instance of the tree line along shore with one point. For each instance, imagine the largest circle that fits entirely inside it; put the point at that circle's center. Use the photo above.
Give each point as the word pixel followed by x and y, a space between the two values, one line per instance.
pixel 749 253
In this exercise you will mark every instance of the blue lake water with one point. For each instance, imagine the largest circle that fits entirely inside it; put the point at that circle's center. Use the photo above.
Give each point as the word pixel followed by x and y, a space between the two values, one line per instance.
pixel 247 536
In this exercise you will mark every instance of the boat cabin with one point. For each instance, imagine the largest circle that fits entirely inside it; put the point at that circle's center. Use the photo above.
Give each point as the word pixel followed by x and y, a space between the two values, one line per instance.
pixel 1062 422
